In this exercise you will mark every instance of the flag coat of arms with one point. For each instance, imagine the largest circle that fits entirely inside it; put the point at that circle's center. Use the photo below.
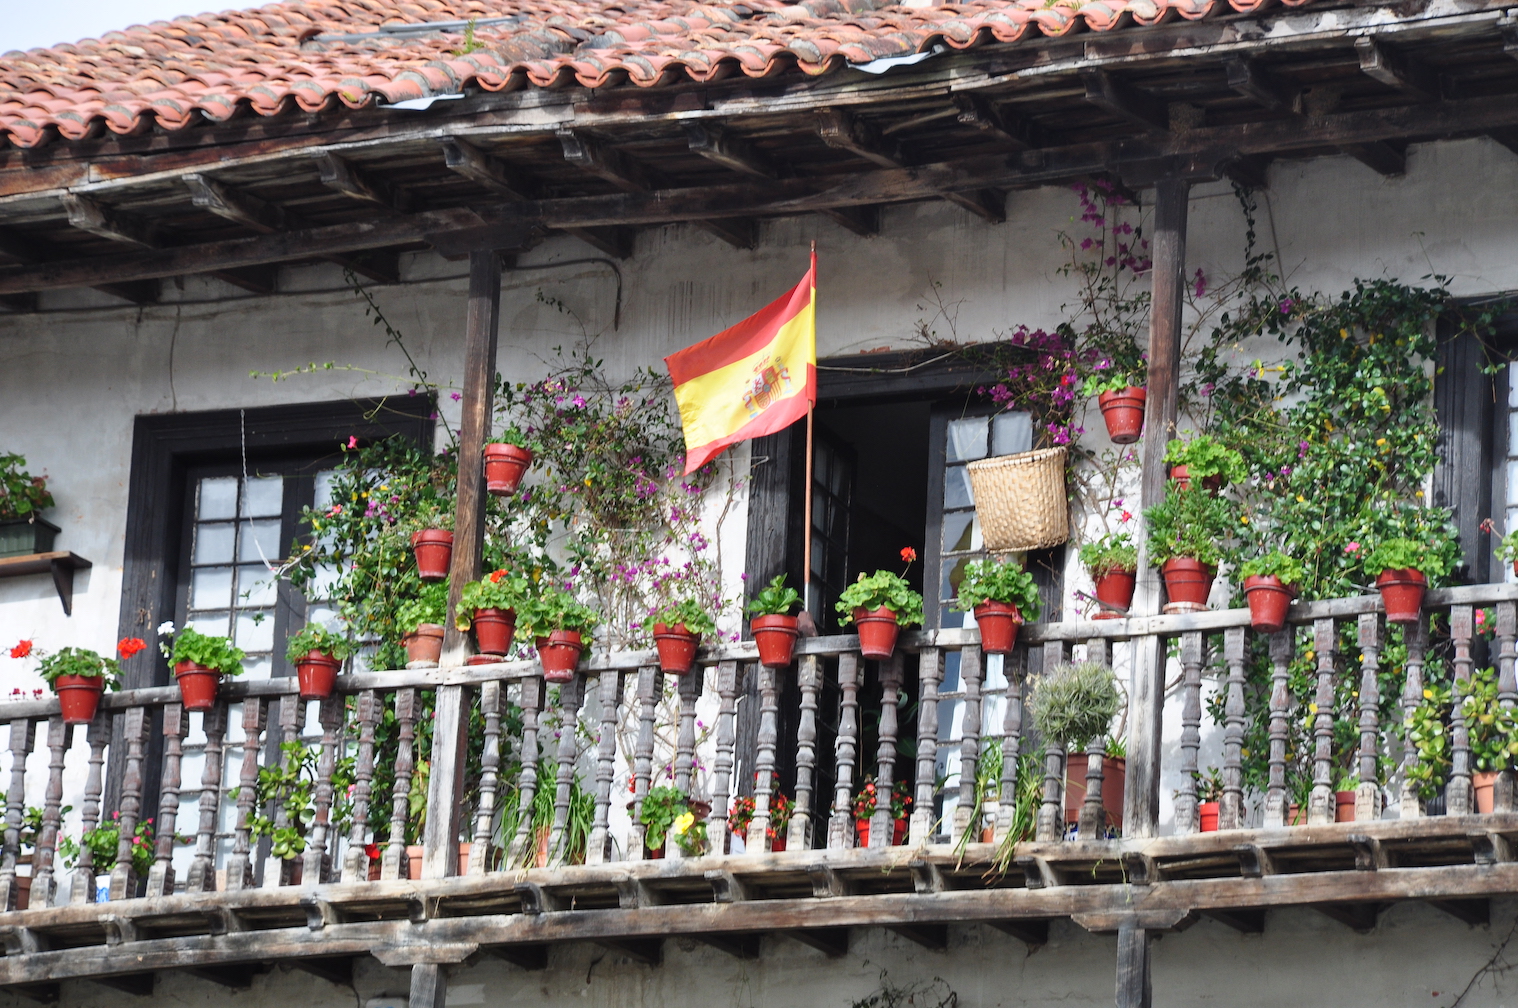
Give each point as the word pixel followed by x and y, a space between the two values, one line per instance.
pixel 756 378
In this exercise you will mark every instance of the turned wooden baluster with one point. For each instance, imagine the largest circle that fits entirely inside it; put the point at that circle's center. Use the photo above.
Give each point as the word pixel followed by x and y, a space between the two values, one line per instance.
pixel 1186 817
pixel 1051 814
pixel 490 769
pixel 969 745
pixel 203 866
pixel 1412 698
pixel 393 862
pixel 609 700
pixel 356 858
pixel 1458 797
pixel 688 690
pixel 571 697
pixel 1231 806
pixel 1503 799
pixel 1321 807
pixel 929 677
pixel 292 719
pixel 59 735
pixel 1091 822
pixel 1015 665
pixel 523 849
pixel 23 734
pixel 135 727
pixel 882 826
pixel 82 887
pixel 316 860
pixel 161 875
pixel 722 765
pixel 1368 794
pixel 809 678
pixel 841 823
pixel 1280 726
pixel 757 840
pixel 240 862
pixel 650 683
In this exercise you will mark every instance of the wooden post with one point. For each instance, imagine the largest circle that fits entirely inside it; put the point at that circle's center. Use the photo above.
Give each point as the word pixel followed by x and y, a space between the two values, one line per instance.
pixel 1133 985
pixel 440 849
pixel 1141 803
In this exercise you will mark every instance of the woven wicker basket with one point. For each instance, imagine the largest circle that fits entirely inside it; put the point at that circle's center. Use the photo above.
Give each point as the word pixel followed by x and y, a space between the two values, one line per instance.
pixel 1021 500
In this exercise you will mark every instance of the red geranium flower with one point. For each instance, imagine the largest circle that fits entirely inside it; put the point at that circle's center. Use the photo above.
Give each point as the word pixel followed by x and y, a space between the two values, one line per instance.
pixel 496 577
pixel 908 554
pixel 128 646
pixel 22 649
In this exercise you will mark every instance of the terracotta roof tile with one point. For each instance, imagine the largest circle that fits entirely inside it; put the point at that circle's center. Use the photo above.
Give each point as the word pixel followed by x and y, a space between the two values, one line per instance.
pixel 308 55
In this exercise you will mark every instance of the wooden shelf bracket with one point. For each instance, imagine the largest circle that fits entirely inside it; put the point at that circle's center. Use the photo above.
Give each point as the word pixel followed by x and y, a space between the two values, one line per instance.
pixel 60 563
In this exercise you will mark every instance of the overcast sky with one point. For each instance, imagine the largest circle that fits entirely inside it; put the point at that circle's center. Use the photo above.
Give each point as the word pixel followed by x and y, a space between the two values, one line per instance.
pixel 31 23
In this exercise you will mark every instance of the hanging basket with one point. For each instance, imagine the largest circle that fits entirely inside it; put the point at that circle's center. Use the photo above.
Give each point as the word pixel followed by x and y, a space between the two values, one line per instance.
pixel 1021 500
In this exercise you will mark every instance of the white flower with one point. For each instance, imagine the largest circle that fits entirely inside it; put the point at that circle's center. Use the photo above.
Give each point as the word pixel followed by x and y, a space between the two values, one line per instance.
pixel 166 628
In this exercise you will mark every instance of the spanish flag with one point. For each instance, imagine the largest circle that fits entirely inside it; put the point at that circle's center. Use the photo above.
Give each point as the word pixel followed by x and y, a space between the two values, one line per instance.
pixel 754 379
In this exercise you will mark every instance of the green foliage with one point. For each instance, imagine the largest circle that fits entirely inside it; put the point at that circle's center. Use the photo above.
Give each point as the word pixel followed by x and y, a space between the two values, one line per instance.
pixel 1405 554
pixel 1111 552
pixel 554 609
pixel 689 612
pixel 315 637
pixel 22 495
pixel 103 842
pixel 775 599
pixel 999 581
pixel 1209 784
pixel 79 662
pixel 1427 731
pixel 660 808
pixel 1075 704
pixel 429 606
pixel 501 589
pixel 289 790
pixel 206 650
pixel 883 588
pixel 1204 456
pixel 1275 564
pixel 1493 728
pixel 511 435
pixel 1110 381
pixel 1190 523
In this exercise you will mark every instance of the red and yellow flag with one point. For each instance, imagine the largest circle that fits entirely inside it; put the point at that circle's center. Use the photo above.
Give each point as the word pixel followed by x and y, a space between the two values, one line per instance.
pixel 756 378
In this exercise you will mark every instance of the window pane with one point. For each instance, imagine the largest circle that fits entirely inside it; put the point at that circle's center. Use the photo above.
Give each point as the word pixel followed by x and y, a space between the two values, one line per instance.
pixel 323 582
pixel 956 488
pixel 258 667
pixel 218 498
pixel 1011 433
pixel 1512 483
pixel 255 630
pixel 255 586
pixel 953 573
pixel 967 439
pixel 956 530
pixel 215 626
pixel 211 588
pixel 260 541
pixel 263 496
pixel 213 543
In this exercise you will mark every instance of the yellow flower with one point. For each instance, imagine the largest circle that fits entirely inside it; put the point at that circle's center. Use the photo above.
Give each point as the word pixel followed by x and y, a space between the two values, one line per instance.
pixel 1418 493
pixel 1428 694
pixel 682 823
pixel 1380 441
pixel 1301 499
pixel 1244 520
pixel 1313 708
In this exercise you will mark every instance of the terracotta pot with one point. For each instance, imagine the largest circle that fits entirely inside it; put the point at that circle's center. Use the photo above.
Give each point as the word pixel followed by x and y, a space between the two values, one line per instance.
pixel 504 466
pixel 776 637
pixel 376 869
pixel 1116 589
pixel 777 845
pixel 79 697
pixel 197 685
pixel 877 632
pixel 1295 816
pixel 1207 816
pixel 653 853
pixel 1344 806
pixel 1123 413
pixel 425 643
pixel 414 861
pixel 1268 601
pixel 1114 779
pixel 1484 783
pixel 493 629
pixel 540 836
pixel 677 648
pixel 484 659
pixel 317 675
pixel 1181 476
pixel 1187 580
pixel 560 655
pixel 1402 594
pixel 998 622
pixel 898 832
pixel 434 553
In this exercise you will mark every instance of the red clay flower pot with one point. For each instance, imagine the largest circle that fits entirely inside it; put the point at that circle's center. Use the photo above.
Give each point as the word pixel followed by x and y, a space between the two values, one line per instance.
pixel 776 637
pixel 79 697
pixel 677 648
pixel 998 622
pixel 1207 816
pixel 1114 780
pixel 1124 414
pixel 434 552
pixel 1402 594
pixel 877 631
pixel 1268 601
pixel 317 675
pixel 898 831
pixel 504 466
pixel 1116 589
pixel 1484 783
pixel 425 643
pixel 1181 476
pixel 197 685
pixel 493 630
pixel 1187 580
pixel 560 655
pixel 1344 806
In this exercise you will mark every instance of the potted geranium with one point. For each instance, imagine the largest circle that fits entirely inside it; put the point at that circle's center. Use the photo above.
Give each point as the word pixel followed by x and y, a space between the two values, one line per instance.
pixel 880 604
pixel 489 607
pixel 557 622
pixel 678 629
pixel 421 619
pixel 1507 548
pixel 1073 705
pixel 1185 537
pixel 22 498
pixel 1002 595
pixel 742 814
pixel 432 543
pixel 1207 460
pixel 200 660
pixel 772 621
pixel 1112 562
pixel 1492 735
pixel 1270 583
pixel 317 653
pixel 1121 397
pixel 1405 567
pixel 864 810
pixel 661 807
pixel 506 460
pixel 78 675
pixel 1209 796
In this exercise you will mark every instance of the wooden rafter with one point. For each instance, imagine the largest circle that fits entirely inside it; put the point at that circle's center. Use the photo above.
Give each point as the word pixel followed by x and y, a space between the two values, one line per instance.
pixel 339 175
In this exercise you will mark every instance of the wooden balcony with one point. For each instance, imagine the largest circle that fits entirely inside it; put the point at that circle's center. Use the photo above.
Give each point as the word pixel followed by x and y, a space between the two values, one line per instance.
pixel 232 905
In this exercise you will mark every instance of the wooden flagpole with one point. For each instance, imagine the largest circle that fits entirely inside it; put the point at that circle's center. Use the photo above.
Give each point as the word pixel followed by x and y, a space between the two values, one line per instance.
pixel 806 520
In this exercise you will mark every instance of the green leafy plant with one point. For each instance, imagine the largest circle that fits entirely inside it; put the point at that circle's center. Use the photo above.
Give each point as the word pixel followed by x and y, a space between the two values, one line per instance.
pixel 429 606
pixel 1074 704
pixel 661 807
pixel 206 650
pixel 1190 523
pixel 693 614
pixel 103 842
pixel 999 581
pixel 775 599
pixel 883 588
pixel 315 637
pixel 554 609
pixel 1507 546
pixel 73 661
pixel 1427 731
pixel 500 589
pixel 864 800
pixel 22 495
pixel 689 834
pixel 1204 456
pixel 289 787
pixel 1209 784
pixel 1275 564
pixel 1403 554
pixel 511 435
pixel 1110 381
pixel 1113 552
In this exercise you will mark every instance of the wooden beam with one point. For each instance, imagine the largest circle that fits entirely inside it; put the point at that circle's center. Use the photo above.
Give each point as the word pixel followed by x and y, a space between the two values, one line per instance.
pixel 980 112
pixel 648 951
pixel 862 220
pixel 1243 921
pixel 140 984
pixel 1130 104
pixel 1248 171
pixel 1395 70
pixel 333 969
pixel 616 242
pixel 1506 137
pixel 729 150
pixel 528 957
pixel 1033 933
pixel 1357 916
pixel 42 993
pixel 87 215
pixel 467 160
pixel 1134 987
pixel 831 942
pixel 429 986
pixel 239 207
pixel 933 937
pixel 1249 79
pixel 739 946
pixel 238 976
pixel 1379 156
pixel 1475 912
pixel 341 176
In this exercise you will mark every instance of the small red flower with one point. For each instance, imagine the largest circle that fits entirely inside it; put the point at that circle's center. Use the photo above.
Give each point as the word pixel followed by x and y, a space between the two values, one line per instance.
pixel 128 646
pixel 22 649
pixel 372 851
pixel 495 578
pixel 908 554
